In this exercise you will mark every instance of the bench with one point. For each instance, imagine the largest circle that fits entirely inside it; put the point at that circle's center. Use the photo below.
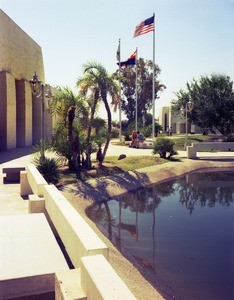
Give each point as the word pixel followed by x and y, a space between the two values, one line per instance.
pixel 146 145
pixel 209 146
pixel 12 174
pixel 142 144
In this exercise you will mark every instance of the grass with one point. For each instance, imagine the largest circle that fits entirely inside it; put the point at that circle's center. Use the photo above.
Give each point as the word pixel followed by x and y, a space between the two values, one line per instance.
pixel 180 140
pixel 112 165
pixel 134 162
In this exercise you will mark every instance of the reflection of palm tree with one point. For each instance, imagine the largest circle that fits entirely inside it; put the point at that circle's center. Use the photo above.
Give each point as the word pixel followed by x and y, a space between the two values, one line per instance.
pixel 108 219
pixel 165 189
pixel 140 201
pixel 102 215
pixel 192 194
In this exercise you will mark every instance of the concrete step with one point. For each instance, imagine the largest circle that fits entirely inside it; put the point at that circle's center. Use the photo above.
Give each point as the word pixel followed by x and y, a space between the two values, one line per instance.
pixel 68 285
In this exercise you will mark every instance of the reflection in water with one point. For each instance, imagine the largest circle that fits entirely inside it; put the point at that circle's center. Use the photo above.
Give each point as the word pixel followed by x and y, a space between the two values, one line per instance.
pixel 180 231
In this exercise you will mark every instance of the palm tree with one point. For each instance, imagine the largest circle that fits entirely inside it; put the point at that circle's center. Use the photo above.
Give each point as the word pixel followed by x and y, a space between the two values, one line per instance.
pixel 69 107
pixel 99 84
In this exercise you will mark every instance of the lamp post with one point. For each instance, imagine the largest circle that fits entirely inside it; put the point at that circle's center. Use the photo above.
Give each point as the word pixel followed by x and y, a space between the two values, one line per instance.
pixel 38 91
pixel 188 107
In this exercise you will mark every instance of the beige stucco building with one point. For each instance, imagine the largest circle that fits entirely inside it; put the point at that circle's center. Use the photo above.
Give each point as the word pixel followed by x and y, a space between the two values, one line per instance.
pixel 20 112
pixel 168 119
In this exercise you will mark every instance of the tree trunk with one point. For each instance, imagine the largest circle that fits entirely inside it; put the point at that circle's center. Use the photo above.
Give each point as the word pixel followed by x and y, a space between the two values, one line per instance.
pixel 71 116
pixel 88 163
pixel 104 98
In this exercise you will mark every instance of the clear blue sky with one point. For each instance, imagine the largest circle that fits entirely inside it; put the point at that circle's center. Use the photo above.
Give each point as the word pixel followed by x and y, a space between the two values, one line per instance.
pixel 193 38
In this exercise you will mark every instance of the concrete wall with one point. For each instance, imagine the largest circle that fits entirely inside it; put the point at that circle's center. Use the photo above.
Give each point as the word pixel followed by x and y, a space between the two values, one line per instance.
pixel 20 57
pixel 94 277
pixel 23 113
pixel 78 237
pixel 7 111
pixel 209 146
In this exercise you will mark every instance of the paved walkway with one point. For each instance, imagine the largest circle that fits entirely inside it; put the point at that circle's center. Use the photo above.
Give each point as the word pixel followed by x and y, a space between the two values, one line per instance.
pixel 11 202
pixel 21 156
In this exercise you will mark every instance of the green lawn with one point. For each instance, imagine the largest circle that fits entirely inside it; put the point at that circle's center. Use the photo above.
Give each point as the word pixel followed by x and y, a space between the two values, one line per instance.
pixel 112 165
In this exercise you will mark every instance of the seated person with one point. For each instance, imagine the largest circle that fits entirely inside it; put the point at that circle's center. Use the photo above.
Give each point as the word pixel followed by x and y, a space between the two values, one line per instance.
pixel 134 140
pixel 140 137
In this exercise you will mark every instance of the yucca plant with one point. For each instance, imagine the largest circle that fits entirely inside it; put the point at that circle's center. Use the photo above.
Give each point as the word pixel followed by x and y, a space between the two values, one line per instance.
pixel 49 168
pixel 164 147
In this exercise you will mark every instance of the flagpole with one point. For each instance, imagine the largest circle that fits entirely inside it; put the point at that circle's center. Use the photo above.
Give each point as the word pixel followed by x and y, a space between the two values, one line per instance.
pixel 120 121
pixel 136 102
pixel 153 85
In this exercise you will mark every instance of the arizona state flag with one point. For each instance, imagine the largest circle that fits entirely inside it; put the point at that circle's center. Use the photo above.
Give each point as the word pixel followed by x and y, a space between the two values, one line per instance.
pixel 130 61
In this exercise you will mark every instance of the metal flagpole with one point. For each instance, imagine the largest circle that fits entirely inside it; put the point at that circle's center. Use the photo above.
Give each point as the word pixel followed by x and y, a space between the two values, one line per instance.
pixel 120 121
pixel 136 102
pixel 153 85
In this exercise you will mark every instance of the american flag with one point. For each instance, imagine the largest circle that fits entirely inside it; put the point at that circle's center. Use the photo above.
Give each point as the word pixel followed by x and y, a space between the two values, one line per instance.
pixel 144 27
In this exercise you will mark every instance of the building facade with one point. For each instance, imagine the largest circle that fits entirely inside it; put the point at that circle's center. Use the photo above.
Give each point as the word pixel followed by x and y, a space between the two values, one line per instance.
pixel 169 119
pixel 20 112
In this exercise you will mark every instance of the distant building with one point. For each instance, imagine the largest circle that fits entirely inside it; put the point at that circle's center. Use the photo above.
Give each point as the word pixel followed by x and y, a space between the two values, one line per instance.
pixel 20 113
pixel 169 119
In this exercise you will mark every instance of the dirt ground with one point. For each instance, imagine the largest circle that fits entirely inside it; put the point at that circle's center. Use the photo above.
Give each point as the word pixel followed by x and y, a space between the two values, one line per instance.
pixel 85 193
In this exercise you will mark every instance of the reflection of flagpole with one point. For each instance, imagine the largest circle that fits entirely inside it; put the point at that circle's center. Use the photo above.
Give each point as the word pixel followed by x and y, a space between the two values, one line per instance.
pixel 136 102
pixel 153 85
pixel 120 213
pixel 153 233
pixel 120 121
pixel 137 219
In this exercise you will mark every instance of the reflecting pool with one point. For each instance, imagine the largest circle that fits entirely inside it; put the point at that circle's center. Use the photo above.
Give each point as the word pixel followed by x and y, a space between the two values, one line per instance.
pixel 180 234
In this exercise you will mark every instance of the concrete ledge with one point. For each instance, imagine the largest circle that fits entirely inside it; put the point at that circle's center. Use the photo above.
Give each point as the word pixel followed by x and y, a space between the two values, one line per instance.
pixel 36 180
pixel 68 285
pixel 100 281
pixel 12 174
pixel 30 256
pixel 36 204
pixel 209 146
pixel 143 145
pixel 25 188
pixel 77 236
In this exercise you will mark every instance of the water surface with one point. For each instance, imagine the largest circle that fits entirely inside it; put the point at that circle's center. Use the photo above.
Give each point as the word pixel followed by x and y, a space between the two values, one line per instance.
pixel 179 233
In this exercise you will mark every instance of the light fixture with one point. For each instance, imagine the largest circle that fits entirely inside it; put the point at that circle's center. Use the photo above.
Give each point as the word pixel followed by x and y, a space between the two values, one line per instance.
pixel 188 107
pixel 38 91
pixel 36 85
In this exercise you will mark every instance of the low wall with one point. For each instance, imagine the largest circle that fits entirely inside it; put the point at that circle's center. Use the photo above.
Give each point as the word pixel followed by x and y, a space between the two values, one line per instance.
pixel 35 180
pixel 93 278
pixel 209 146
pixel 96 276
pixel 77 236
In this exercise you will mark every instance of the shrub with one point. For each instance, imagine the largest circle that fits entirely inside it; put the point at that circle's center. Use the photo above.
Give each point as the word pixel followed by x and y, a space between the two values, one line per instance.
pixel 146 131
pixel 164 147
pixel 49 168
pixel 127 136
pixel 230 138
pixel 114 133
